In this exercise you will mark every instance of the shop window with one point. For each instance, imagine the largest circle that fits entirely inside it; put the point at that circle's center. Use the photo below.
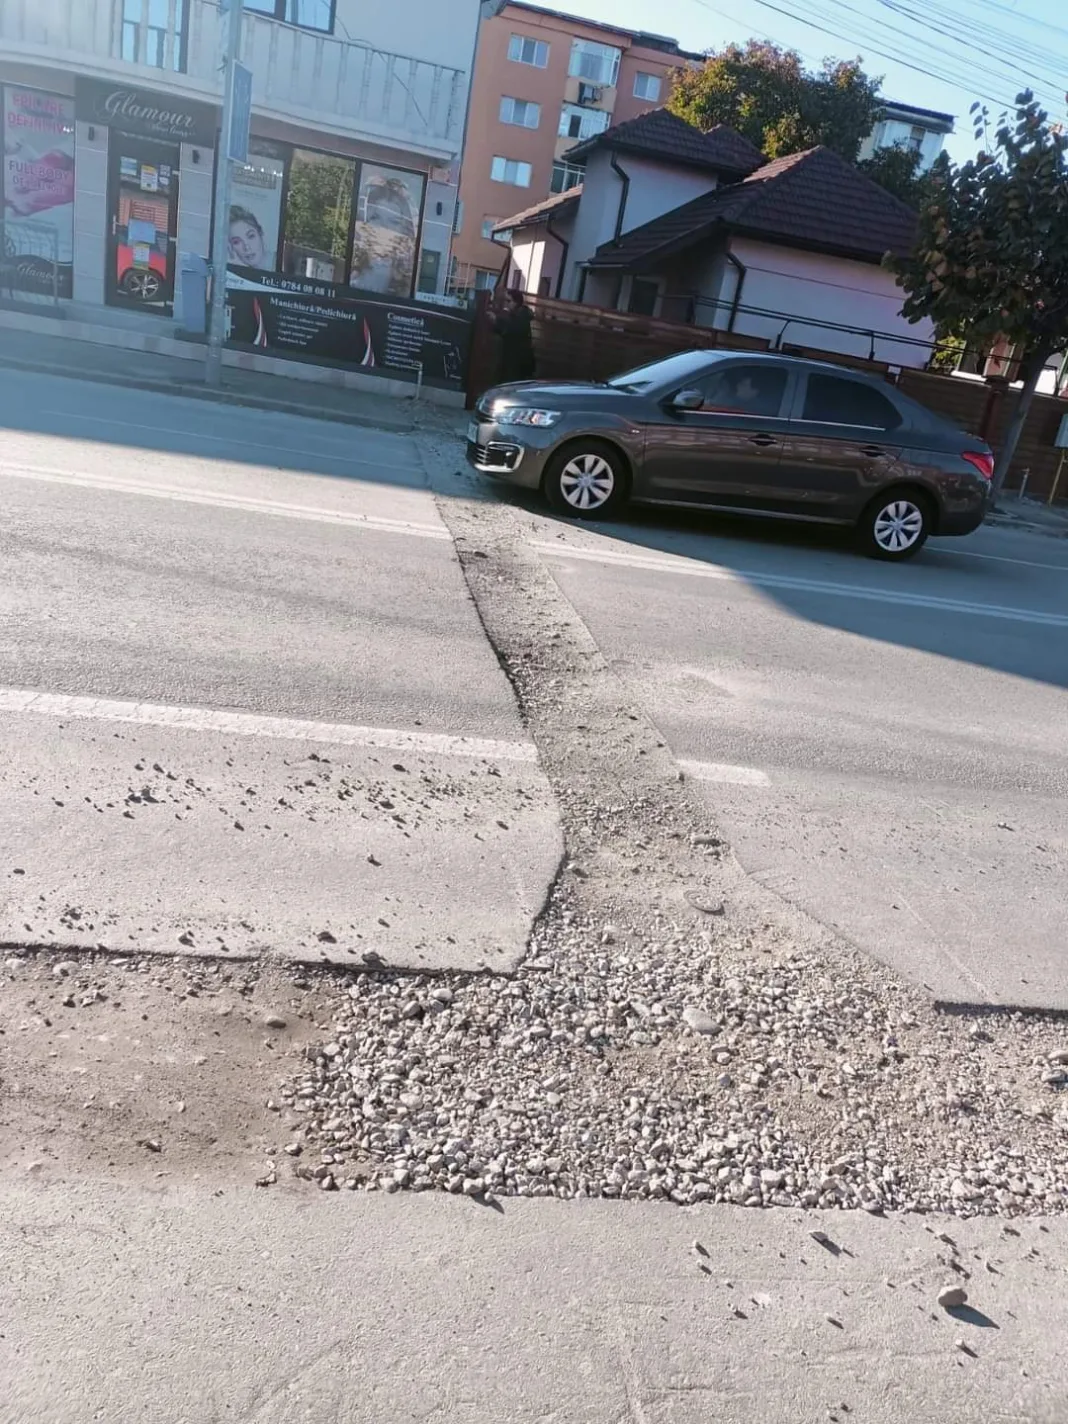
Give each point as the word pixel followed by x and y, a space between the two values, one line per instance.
pixel 318 217
pixel 386 230
pixel 256 208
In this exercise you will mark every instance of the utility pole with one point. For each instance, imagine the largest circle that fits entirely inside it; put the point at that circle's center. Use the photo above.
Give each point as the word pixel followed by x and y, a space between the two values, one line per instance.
pixel 220 238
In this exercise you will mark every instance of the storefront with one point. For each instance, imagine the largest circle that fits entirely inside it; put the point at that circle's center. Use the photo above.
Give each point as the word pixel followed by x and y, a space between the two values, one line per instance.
pixel 38 191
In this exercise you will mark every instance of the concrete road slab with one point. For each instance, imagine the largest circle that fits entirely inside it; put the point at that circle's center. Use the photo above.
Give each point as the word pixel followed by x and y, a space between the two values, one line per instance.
pixel 167 828
pixel 282 1306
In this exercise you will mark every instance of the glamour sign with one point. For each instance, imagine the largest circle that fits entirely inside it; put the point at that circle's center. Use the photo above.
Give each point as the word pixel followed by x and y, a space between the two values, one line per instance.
pixel 142 112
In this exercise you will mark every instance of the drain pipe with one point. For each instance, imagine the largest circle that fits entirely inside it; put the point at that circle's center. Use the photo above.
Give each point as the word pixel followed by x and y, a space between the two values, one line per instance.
pixel 742 271
pixel 565 248
pixel 624 178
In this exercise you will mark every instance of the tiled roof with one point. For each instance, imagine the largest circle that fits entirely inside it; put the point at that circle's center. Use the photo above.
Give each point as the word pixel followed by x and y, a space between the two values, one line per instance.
pixel 814 200
pixel 663 135
pixel 558 205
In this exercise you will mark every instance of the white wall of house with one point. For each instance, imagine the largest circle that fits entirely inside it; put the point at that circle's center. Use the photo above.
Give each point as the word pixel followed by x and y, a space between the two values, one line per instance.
pixel 831 289
pixel 655 189
pixel 528 256
pixel 890 132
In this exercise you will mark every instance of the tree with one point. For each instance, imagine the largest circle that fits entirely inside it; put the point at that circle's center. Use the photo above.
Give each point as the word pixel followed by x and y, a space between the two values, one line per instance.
pixel 765 93
pixel 897 169
pixel 991 254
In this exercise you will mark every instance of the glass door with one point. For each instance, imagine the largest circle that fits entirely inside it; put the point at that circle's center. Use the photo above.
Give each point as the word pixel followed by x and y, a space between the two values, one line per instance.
pixel 143 198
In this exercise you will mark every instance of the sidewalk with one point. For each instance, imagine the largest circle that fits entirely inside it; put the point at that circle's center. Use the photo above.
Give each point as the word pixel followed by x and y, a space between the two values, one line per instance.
pixel 142 370
pixel 193 1305
pixel 1033 515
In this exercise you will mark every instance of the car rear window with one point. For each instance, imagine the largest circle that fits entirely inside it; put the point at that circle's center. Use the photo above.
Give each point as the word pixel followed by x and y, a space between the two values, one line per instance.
pixel 832 400
pixel 743 390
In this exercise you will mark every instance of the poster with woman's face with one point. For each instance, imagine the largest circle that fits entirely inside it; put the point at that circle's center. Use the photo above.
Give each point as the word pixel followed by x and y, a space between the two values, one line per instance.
pixel 386 230
pixel 256 212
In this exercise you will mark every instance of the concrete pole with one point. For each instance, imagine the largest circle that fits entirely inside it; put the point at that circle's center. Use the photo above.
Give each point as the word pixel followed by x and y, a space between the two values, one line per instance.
pixel 220 238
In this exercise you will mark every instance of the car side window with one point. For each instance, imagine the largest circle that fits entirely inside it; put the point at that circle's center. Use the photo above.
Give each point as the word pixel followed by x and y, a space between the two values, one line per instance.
pixel 743 390
pixel 833 400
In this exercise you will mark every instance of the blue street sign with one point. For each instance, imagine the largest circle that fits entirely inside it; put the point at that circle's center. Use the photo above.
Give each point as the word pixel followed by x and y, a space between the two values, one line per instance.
pixel 240 115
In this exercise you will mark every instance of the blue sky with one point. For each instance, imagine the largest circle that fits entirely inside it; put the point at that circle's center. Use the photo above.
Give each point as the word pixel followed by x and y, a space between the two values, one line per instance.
pixel 940 54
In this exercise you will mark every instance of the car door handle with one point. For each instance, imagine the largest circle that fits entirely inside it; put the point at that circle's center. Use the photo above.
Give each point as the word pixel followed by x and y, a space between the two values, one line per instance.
pixel 763 440
pixel 872 451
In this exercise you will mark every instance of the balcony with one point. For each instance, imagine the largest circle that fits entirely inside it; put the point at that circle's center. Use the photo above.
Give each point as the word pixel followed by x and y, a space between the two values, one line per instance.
pixel 340 86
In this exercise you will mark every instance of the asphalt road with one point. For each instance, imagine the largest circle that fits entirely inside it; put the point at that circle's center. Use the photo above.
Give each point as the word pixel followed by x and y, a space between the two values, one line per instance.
pixel 884 745
pixel 265 714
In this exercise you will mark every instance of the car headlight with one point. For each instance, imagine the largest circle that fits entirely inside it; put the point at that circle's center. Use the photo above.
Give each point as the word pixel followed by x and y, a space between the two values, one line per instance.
pixel 524 415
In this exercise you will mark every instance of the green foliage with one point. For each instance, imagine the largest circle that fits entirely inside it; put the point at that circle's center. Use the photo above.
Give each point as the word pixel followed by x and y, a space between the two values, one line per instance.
pixel 765 93
pixel 319 205
pixel 897 169
pixel 991 255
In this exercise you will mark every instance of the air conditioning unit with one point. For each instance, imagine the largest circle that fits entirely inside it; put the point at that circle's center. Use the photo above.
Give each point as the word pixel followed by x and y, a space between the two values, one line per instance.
pixel 589 94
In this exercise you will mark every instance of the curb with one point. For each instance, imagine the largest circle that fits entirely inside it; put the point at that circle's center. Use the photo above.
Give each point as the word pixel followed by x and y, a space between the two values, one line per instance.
pixel 1024 526
pixel 225 396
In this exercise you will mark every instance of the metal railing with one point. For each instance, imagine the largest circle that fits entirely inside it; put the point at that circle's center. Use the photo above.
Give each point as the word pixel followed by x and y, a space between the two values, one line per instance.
pixel 343 85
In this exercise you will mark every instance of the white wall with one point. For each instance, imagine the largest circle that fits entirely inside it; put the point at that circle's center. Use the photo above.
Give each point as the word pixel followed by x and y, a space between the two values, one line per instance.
pixel 655 189
pixel 90 212
pixel 528 254
pixel 889 132
pixel 833 289
pixel 194 210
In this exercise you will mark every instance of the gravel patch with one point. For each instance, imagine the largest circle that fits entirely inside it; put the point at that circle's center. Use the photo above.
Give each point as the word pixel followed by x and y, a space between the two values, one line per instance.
pixel 676 1032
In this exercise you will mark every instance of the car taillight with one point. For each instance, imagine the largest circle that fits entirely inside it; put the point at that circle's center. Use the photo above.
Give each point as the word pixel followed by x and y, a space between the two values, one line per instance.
pixel 982 460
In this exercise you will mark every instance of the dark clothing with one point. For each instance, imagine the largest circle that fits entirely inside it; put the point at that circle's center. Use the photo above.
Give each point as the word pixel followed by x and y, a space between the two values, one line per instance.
pixel 517 344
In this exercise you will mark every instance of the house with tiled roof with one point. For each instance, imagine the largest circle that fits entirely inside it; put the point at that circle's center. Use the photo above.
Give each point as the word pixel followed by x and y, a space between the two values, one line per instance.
pixel 701 228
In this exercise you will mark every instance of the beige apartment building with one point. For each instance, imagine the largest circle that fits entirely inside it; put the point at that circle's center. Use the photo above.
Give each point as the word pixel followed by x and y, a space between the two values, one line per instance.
pixel 543 82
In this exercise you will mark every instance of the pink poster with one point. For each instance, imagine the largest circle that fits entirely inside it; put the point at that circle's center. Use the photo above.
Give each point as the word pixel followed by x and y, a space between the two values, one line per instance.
pixel 39 187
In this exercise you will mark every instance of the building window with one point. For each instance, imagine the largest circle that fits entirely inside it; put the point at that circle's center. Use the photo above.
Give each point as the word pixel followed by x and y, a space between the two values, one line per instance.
pixel 565 176
pixel 511 170
pixel 485 281
pixel 596 63
pixel 523 50
pixel 522 112
pixel 153 33
pixel 488 224
pixel 643 296
pixel 306 14
pixel 647 86
pixel 582 123
pixel 917 134
pixel 429 272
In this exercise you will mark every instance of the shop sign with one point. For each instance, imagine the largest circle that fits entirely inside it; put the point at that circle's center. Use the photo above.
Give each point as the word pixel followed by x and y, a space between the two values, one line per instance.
pixel 143 112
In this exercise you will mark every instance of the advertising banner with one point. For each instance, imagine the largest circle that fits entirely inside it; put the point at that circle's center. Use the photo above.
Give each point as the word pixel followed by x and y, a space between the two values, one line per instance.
pixel 38 188
pixel 256 212
pixel 384 233
pixel 300 317
pixel 144 113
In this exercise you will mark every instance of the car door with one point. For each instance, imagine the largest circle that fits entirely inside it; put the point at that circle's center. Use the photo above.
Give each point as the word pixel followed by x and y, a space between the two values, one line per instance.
pixel 729 447
pixel 847 439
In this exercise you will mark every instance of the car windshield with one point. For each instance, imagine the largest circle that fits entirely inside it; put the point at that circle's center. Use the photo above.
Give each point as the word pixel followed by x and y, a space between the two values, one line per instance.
pixel 673 370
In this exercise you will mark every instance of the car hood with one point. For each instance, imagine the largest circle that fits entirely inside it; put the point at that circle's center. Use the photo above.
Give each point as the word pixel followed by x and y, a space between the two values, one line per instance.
pixel 550 393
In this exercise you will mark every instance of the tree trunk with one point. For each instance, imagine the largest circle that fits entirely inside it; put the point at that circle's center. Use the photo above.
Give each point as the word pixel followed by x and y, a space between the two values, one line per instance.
pixel 1034 367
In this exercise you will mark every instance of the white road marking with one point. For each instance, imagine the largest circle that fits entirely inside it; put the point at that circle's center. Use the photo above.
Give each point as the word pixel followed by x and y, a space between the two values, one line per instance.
pixel 240 441
pixel 759 579
pixel 725 775
pixel 15 700
pixel 1002 559
pixel 219 500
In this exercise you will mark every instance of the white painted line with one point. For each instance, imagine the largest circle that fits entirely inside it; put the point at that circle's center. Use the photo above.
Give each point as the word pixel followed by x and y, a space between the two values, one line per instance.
pixel 243 444
pixel 1000 559
pixel 725 775
pixel 759 579
pixel 247 724
pixel 277 508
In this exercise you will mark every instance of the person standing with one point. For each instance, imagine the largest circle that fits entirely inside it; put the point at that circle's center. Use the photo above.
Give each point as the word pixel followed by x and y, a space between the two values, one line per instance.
pixel 514 326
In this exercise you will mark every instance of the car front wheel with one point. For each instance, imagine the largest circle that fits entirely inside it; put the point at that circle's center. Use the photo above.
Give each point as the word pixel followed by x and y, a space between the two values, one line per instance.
pixel 586 480
pixel 895 526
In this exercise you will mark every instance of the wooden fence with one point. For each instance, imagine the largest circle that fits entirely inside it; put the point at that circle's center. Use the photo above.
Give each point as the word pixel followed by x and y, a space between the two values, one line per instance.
pixel 573 341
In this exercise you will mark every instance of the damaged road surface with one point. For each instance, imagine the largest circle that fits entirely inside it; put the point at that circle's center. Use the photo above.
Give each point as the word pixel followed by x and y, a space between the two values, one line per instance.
pixel 249 711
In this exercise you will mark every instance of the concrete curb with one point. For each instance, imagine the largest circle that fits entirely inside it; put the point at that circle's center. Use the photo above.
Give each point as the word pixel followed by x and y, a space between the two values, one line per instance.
pixel 225 396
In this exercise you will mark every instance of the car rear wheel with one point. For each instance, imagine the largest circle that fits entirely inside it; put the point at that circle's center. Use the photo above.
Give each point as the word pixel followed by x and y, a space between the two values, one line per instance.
pixel 586 480
pixel 141 283
pixel 896 524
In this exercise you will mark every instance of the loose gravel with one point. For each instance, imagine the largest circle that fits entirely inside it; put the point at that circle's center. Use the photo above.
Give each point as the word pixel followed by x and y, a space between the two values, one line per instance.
pixel 676 1033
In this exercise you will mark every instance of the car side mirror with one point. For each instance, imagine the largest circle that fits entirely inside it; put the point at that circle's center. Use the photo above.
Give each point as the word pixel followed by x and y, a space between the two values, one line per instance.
pixel 687 400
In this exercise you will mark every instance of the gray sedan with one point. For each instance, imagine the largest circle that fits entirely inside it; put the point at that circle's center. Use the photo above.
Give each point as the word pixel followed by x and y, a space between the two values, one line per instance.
pixel 750 433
